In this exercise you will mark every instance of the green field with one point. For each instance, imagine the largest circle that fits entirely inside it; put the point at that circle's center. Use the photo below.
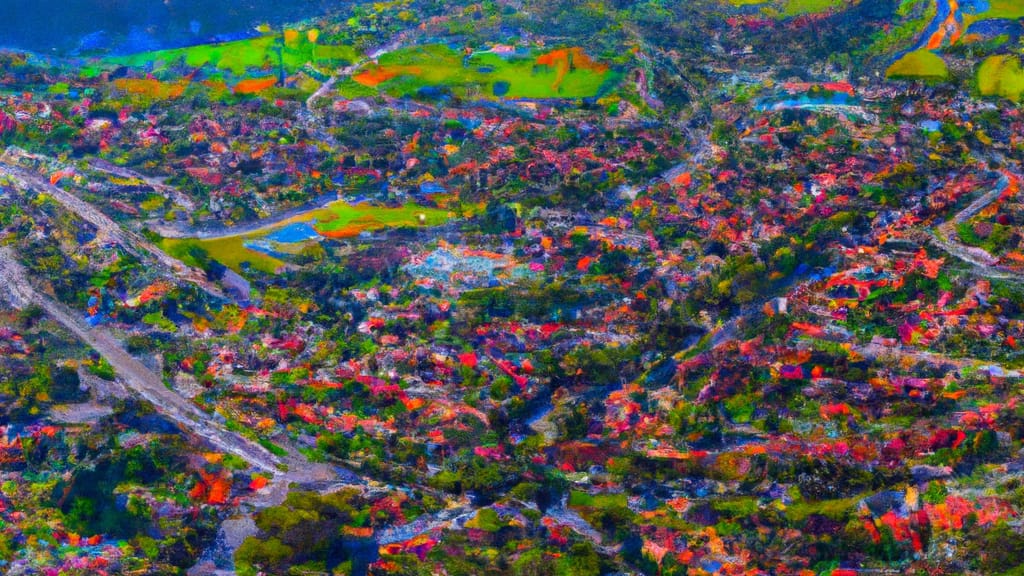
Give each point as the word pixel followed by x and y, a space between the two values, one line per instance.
pixel 242 55
pixel 336 220
pixel 1011 9
pixel 919 64
pixel 790 8
pixel 408 70
pixel 343 219
pixel 798 7
pixel 1001 76
pixel 582 499
pixel 839 509
pixel 228 251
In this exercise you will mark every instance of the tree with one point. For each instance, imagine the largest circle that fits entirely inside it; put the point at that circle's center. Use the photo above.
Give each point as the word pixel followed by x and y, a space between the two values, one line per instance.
pixel 498 218
pixel 574 425
pixel 997 549
pixel 81 512
pixel 582 560
pixel 533 562
pixel 255 555
pixel 65 386
pixel 29 315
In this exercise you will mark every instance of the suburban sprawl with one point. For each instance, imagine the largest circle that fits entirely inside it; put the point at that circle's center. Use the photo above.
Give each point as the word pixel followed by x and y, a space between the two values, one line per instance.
pixel 520 287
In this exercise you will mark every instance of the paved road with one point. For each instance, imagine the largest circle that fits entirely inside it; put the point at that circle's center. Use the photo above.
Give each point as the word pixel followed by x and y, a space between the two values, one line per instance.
pixel 176 195
pixel 217 231
pixel 457 516
pixel 569 517
pixel 136 375
pixel 133 243
pixel 874 351
pixel 985 263
pixel 981 203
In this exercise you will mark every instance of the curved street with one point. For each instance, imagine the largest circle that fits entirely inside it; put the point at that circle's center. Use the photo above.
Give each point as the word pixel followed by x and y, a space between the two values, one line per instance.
pixel 982 261
pixel 131 242
pixel 136 375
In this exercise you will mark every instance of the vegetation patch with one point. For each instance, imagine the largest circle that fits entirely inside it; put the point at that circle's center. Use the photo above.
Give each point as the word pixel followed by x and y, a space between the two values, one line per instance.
pixel 1010 9
pixel 1001 76
pixel 336 220
pixel 229 251
pixel 919 64
pixel 341 220
pixel 560 73
pixel 790 8
pixel 291 49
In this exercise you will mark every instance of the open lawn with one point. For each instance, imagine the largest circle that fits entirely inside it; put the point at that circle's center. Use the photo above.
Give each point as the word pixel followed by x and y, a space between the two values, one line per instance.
pixel 789 8
pixel 798 7
pixel 838 509
pixel 561 73
pixel 1011 9
pixel 228 251
pixel 1001 76
pixel 993 10
pixel 919 64
pixel 580 499
pixel 340 219
pixel 336 220
pixel 238 57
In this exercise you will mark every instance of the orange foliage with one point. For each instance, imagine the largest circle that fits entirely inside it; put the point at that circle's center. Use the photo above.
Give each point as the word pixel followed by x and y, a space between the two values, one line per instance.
pixel 254 85
pixel 343 232
pixel 214 488
pixel 684 179
pixel 380 74
pixel 357 532
pixel 565 58
pixel 151 88
pixel 219 490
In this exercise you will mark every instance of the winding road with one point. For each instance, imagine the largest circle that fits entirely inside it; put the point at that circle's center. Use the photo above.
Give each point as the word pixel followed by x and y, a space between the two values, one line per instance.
pixel 176 195
pixel 218 231
pixel 985 263
pixel 428 523
pixel 292 468
pixel 136 375
pixel 133 243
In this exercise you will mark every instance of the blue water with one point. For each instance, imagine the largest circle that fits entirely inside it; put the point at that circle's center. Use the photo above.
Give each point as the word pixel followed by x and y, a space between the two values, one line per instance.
pixel 432 188
pixel 293 233
pixel 974 6
pixel 942 12
pixel 290 234
pixel 838 99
